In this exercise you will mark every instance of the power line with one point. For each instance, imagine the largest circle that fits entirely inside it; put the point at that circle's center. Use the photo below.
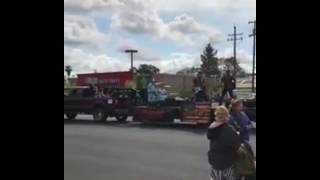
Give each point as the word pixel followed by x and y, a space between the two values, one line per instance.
pixel 234 38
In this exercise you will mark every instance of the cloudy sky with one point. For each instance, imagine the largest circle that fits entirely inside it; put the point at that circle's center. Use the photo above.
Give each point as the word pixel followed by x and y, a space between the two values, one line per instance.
pixel 170 34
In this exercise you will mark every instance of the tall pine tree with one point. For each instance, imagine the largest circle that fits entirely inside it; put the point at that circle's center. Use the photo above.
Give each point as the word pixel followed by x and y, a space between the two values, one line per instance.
pixel 209 60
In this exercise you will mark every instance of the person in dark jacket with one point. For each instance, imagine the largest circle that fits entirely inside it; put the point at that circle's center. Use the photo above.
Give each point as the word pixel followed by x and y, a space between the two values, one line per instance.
pixel 228 82
pixel 224 144
pixel 239 120
pixel 199 85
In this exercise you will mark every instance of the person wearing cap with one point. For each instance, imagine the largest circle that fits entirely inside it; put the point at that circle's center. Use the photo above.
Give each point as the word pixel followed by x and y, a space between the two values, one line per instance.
pixel 228 82
pixel 239 120
pixel 242 124
pixel 224 144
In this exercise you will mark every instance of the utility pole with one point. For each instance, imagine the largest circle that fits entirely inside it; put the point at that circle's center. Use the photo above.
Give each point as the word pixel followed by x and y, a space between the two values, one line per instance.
pixel 235 39
pixel 131 51
pixel 254 52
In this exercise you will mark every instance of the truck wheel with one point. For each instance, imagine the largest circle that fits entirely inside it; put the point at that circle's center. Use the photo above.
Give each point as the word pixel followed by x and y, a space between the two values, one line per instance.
pixel 136 119
pixel 121 118
pixel 100 114
pixel 169 117
pixel 71 116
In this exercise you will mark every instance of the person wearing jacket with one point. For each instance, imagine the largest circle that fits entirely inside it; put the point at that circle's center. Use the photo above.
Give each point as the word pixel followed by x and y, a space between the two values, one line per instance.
pixel 229 83
pixel 239 120
pixel 224 144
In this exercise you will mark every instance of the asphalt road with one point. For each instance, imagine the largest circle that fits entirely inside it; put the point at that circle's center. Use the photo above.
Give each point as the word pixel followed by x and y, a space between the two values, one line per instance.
pixel 113 151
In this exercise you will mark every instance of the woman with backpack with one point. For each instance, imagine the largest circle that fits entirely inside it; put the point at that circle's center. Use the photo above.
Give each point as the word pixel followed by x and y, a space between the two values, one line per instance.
pixel 224 144
pixel 245 164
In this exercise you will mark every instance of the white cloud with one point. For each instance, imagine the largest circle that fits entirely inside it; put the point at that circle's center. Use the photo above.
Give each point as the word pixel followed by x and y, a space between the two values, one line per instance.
pixel 144 53
pixel 92 7
pixel 109 6
pixel 137 20
pixel 176 61
pixel 179 5
pixel 185 23
pixel 142 17
pixel 231 11
pixel 79 30
pixel 83 62
pixel 188 25
pixel 243 57
pixel 178 30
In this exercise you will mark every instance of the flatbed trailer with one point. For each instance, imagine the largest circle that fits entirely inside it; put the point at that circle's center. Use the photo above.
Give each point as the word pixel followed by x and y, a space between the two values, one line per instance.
pixel 202 113
pixel 196 113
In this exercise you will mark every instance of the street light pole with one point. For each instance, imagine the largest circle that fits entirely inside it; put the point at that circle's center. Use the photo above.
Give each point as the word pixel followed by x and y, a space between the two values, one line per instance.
pixel 254 51
pixel 131 51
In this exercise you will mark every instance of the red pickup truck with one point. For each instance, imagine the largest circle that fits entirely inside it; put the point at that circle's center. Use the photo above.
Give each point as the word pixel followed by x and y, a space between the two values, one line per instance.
pixel 83 100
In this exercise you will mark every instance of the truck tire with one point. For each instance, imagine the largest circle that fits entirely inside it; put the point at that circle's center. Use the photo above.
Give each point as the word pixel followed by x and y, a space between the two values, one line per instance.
pixel 121 118
pixel 71 116
pixel 100 114
pixel 136 119
pixel 136 116
pixel 169 117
